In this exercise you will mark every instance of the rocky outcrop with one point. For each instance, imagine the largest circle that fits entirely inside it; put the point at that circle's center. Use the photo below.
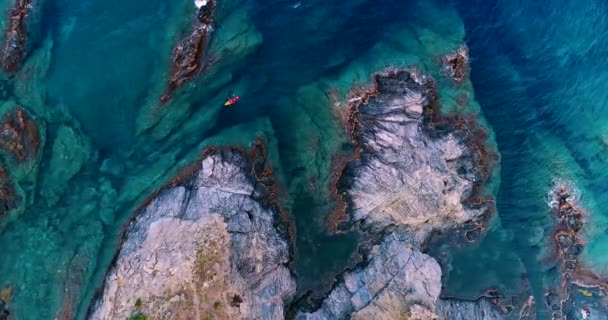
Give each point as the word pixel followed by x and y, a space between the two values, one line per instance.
pixel 413 168
pixel 19 135
pixel 413 171
pixel 212 246
pixel 189 54
pixel 14 47
pixel 580 290
pixel 456 64
pixel 396 280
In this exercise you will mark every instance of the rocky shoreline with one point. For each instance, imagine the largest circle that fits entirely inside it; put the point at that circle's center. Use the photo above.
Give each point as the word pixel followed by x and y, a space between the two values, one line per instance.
pixel 580 290
pixel 211 247
pixel 215 242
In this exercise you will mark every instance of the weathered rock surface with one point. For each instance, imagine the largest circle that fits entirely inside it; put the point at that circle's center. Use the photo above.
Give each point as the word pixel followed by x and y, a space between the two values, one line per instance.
pixel 396 279
pixel 410 176
pixel 397 282
pixel 464 310
pixel 210 248
pixel 405 175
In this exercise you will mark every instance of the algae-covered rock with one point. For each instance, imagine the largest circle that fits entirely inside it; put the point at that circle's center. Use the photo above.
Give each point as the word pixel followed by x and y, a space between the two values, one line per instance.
pixel 208 248
pixel 19 135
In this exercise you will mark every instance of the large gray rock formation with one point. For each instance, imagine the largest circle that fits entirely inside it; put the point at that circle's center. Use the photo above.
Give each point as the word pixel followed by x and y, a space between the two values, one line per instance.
pixel 413 175
pixel 208 249
pixel 396 282
pixel 407 174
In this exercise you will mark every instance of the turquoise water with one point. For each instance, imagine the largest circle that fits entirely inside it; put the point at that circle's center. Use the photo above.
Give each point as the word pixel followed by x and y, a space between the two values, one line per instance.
pixel 95 71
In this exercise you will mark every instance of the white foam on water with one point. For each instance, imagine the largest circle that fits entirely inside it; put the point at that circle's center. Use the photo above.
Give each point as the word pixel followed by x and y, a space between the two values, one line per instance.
pixel 200 3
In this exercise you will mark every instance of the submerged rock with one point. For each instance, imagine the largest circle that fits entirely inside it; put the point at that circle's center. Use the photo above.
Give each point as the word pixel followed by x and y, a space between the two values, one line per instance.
pixel 8 196
pixel 13 50
pixel 69 152
pixel 213 246
pixel 411 170
pixel 19 135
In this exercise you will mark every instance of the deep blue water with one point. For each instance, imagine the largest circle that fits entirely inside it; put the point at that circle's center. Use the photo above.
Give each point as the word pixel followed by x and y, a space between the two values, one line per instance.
pixel 538 75
pixel 539 70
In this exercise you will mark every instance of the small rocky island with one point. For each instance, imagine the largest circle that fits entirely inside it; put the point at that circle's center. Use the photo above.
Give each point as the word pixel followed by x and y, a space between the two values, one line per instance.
pixel 413 172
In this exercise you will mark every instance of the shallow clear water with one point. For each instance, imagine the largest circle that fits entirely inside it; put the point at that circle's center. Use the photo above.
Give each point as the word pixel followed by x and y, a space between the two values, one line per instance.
pixel 96 70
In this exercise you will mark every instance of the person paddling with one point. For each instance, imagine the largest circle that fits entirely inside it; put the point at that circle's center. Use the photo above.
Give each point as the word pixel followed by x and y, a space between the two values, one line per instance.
pixel 232 100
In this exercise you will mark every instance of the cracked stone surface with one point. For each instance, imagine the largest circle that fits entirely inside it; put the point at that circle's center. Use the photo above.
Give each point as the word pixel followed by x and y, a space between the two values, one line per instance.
pixel 413 182
pixel 397 282
pixel 207 249
pixel 405 176
pixel 395 276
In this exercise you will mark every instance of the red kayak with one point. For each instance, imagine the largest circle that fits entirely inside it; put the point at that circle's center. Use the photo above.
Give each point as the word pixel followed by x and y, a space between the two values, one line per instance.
pixel 232 101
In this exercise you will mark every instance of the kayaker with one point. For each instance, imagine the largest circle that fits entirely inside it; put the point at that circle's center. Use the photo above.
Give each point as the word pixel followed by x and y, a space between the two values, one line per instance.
pixel 232 100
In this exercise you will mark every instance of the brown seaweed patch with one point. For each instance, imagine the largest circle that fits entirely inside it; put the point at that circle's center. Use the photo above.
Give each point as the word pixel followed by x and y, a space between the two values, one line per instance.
pixel 580 289
pixel 456 64
pixel 337 217
pixel 19 135
pixel 13 50
pixel 187 58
